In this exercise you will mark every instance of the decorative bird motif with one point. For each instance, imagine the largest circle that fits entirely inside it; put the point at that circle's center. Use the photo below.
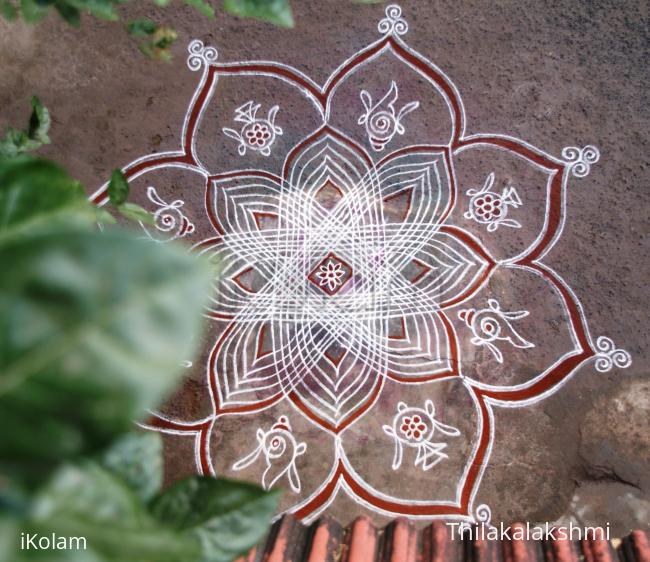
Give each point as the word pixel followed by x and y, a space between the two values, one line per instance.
pixel 492 324
pixel 280 450
pixel 382 121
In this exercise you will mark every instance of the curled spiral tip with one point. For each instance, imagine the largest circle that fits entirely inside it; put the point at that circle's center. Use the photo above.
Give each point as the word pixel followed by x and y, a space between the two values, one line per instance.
pixel 393 11
pixel 609 356
pixel 591 154
pixel 483 514
pixel 579 160
pixel 393 23
pixel 604 344
pixel 199 55
pixel 571 153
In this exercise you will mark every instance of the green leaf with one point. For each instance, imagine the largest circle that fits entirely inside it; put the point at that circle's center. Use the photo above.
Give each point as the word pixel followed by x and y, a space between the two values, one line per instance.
pixel 39 122
pixel 8 10
pixel 69 13
pixel 36 193
pixel 17 142
pixel 228 517
pixel 102 216
pixel 33 11
pixel 136 213
pixel 137 459
pixel 93 330
pixel 10 529
pixel 75 489
pixel 141 27
pixel 118 188
pixel 13 502
pixel 159 39
pixel 203 7
pixel 89 501
pixel 277 12
pixel 163 38
pixel 103 9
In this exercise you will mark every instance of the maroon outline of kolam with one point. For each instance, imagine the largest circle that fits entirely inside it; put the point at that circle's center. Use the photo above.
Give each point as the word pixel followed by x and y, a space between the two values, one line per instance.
pixel 483 395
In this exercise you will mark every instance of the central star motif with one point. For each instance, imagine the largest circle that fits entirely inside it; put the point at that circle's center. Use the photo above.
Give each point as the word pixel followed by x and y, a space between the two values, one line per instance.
pixel 369 236
pixel 331 274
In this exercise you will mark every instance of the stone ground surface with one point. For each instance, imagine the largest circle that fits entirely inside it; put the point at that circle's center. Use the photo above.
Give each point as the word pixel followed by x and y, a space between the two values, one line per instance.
pixel 554 74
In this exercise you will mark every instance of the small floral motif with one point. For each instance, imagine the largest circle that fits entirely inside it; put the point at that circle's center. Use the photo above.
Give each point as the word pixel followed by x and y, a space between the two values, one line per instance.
pixel 413 428
pixel 381 120
pixel 491 208
pixel 581 159
pixel 257 133
pixel 493 324
pixel 417 428
pixel 331 274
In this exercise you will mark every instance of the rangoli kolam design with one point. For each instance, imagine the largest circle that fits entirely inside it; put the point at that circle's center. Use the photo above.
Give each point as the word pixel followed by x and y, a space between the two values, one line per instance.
pixel 382 279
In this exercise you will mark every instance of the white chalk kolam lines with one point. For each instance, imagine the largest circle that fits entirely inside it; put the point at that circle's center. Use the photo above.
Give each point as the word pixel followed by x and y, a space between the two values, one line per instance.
pixel 382 278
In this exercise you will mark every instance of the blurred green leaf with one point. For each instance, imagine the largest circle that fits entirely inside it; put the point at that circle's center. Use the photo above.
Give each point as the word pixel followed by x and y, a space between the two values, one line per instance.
pixel 70 10
pixel 18 142
pixel 163 38
pixel 36 193
pixel 141 27
pixel 158 41
pixel 137 459
pixel 118 193
pixel 39 122
pixel 8 10
pixel 10 529
pixel 203 7
pixel 14 502
pixel 91 502
pixel 228 517
pixel 33 11
pixel 93 329
pixel 136 213
pixel 103 9
pixel 69 13
pixel 118 188
pixel 75 489
pixel 102 216
pixel 277 12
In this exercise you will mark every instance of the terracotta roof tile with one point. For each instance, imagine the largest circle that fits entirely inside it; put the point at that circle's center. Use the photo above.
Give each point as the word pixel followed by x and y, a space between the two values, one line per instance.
pixel 400 541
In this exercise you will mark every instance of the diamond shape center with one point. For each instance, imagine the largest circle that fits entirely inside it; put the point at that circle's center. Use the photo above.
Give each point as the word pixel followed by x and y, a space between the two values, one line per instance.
pixel 330 274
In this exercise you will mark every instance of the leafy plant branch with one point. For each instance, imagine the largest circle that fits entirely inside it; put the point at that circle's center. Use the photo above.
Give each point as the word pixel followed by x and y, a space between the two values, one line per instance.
pixel 20 141
pixel 94 329
pixel 155 40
